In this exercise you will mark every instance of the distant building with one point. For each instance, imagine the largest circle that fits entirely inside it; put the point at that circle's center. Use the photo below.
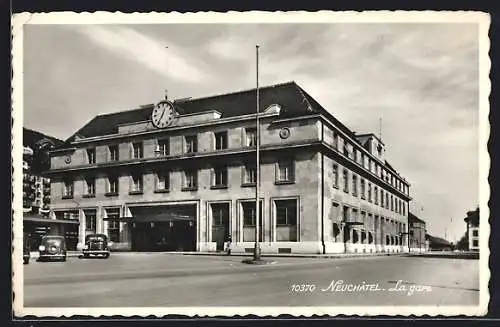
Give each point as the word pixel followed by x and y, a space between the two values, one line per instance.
pixel 181 175
pixel 438 243
pixel 417 233
pixel 472 222
pixel 36 188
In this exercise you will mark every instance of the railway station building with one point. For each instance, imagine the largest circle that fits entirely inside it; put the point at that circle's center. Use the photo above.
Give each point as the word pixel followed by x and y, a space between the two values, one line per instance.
pixel 180 175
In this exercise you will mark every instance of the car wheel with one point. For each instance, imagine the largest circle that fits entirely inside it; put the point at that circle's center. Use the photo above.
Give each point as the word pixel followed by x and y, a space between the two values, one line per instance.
pixel 64 259
pixel 106 256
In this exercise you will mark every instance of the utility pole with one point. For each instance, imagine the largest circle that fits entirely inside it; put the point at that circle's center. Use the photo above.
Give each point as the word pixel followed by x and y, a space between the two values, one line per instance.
pixel 256 255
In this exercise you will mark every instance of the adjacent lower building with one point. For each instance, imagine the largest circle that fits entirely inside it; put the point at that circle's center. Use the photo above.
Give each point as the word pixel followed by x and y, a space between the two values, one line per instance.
pixel 182 174
pixel 417 234
pixel 472 221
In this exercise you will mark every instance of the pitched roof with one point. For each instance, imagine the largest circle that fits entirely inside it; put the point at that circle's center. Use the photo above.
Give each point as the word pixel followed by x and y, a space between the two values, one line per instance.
pixel 31 138
pixel 415 219
pixel 294 101
pixel 437 240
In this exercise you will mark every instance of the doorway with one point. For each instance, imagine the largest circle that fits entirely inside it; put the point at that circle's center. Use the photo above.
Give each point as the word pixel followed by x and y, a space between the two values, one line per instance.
pixel 164 228
pixel 220 224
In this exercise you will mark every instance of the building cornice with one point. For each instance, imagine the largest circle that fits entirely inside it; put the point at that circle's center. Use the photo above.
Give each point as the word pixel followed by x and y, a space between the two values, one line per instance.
pixel 219 121
pixel 185 157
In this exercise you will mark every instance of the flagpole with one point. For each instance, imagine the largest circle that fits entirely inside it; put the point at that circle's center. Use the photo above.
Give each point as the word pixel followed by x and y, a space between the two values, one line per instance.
pixel 256 255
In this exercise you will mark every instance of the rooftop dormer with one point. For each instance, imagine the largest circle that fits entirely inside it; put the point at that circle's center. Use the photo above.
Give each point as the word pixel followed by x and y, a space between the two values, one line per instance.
pixel 373 144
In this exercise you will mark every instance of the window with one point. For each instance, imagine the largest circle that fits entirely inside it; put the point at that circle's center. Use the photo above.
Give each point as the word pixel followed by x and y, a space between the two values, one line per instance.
pixel 249 216
pixel 251 137
pixel 355 154
pixel 404 208
pixel 346 180
pixel 392 203
pixel 113 153
pixel 90 221
pixel 386 200
pixel 112 185
pixel 163 147
pixel 190 179
pixel 335 175
pixel 219 177
pixel 475 243
pixel 114 230
pixel 363 218
pixel 354 185
pixel 382 198
pixel 362 159
pixel 355 216
pixel 285 171
pixel 286 212
pixel 220 140
pixel 249 175
pixel 369 192
pixel 162 181
pixel 363 191
pixel 249 219
pixel 137 150
pixel 220 214
pixel 137 184
pixel 68 189
pixel 191 142
pixel 375 195
pixel 335 141
pixel 345 213
pixel 475 233
pixel 90 187
pixel 346 149
pixel 71 215
pixel 91 155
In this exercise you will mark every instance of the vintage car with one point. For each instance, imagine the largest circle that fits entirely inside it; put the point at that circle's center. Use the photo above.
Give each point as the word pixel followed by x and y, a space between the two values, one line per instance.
pixel 52 247
pixel 97 245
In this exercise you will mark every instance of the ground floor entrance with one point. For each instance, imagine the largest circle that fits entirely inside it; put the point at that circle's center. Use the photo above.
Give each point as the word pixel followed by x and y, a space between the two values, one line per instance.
pixel 164 228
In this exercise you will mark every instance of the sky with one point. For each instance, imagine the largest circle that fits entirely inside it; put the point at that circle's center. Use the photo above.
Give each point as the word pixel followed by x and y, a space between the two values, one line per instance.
pixel 421 79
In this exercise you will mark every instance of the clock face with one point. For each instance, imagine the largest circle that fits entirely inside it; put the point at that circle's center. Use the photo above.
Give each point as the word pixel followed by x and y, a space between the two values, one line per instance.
pixel 163 114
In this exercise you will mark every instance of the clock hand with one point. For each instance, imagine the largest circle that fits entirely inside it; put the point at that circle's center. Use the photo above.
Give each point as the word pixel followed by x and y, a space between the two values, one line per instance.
pixel 162 114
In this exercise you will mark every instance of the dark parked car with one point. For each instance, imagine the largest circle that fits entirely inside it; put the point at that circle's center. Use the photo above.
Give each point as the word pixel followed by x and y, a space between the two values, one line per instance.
pixel 96 244
pixel 52 247
pixel 26 250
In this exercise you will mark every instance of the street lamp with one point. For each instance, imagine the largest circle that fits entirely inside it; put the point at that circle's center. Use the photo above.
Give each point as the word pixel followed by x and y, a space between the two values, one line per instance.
pixel 347 224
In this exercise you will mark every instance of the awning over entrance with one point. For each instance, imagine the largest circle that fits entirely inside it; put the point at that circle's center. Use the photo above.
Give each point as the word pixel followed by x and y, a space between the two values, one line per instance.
pixel 164 213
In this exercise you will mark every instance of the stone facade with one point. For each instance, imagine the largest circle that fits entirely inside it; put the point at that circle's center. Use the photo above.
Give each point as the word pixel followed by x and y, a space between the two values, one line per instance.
pixel 305 208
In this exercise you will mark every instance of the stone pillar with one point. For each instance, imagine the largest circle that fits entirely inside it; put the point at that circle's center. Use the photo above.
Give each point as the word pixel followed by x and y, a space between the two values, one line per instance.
pixel 81 229
pixel 98 221
pixel 104 215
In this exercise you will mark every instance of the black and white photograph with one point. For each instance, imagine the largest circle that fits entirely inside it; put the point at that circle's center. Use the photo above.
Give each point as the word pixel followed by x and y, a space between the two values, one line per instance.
pixel 250 163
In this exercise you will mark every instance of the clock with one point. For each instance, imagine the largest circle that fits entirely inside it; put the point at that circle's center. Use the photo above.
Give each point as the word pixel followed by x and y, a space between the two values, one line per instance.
pixel 163 114
pixel 285 133
pixel 67 159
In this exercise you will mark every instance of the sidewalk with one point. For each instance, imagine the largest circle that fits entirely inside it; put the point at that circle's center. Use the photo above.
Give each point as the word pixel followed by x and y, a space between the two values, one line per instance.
pixel 34 254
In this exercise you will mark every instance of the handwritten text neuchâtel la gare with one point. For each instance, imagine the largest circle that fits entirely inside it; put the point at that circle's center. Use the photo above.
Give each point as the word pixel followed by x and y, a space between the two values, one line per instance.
pixel 342 286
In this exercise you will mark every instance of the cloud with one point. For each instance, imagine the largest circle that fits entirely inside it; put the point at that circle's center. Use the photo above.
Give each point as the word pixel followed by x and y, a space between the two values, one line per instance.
pixel 422 79
pixel 151 53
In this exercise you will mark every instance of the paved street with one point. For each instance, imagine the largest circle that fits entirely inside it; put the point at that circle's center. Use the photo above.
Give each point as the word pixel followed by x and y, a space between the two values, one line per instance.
pixel 159 279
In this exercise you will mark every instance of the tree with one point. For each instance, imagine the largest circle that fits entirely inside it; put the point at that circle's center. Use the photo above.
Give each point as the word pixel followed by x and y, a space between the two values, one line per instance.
pixel 463 244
